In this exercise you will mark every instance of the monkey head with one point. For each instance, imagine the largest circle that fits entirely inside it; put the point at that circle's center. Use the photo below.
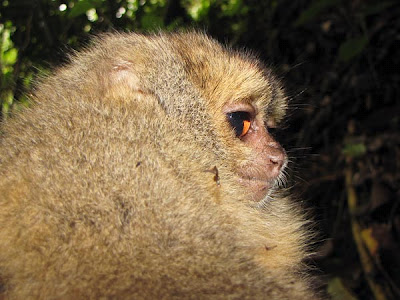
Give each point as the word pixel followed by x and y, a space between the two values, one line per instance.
pixel 246 101
pixel 227 99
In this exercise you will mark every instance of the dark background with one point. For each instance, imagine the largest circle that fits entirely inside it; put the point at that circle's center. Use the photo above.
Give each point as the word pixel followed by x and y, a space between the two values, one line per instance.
pixel 340 63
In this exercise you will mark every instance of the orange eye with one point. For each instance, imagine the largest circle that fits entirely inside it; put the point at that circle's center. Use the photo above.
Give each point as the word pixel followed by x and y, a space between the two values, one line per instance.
pixel 240 122
pixel 246 127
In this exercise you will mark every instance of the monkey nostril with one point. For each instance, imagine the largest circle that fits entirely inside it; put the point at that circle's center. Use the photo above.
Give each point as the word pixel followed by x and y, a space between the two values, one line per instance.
pixel 276 161
pixel 276 155
pixel 275 158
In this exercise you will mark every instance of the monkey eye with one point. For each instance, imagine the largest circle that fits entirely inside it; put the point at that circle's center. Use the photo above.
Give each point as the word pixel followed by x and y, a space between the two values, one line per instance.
pixel 240 122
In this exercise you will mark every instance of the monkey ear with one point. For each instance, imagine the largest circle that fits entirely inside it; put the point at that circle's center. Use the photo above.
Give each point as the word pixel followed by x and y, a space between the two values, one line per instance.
pixel 123 73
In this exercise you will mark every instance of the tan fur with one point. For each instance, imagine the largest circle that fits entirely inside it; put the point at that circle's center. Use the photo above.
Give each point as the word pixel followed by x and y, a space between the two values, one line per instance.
pixel 120 181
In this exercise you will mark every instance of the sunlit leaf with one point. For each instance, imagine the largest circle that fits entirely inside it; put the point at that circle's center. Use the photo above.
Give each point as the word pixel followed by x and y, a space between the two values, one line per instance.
pixel 10 56
pixel 81 7
pixel 370 242
pixel 354 150
pixel 198 8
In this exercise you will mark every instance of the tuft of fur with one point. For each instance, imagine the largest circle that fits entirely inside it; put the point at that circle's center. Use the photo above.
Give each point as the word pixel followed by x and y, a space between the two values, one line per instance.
pixel 105 183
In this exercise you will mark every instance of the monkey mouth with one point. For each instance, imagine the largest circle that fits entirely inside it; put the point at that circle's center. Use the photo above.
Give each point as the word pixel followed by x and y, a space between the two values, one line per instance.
pixel 257 188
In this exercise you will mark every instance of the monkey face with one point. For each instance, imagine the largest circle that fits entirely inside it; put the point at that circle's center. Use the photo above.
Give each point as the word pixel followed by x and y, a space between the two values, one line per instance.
pixel 267 158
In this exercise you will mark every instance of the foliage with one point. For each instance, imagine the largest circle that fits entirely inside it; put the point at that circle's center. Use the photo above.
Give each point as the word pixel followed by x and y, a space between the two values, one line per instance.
pixel 340 61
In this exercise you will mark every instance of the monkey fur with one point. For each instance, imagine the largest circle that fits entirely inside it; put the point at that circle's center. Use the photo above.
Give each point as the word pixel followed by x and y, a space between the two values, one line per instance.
pixel 122 179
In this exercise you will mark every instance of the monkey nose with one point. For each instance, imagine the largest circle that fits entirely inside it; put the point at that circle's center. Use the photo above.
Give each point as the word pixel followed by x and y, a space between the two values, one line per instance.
pixel 276 157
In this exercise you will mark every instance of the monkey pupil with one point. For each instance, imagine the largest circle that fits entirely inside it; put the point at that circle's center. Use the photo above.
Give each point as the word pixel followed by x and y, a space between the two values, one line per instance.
pixel 236 119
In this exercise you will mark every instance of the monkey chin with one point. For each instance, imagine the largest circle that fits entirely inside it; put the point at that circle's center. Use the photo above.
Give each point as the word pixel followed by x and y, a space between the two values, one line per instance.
pixel 257 189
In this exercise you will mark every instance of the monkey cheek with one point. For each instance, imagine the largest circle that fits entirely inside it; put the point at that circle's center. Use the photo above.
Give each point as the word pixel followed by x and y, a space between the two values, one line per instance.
pixel 256 189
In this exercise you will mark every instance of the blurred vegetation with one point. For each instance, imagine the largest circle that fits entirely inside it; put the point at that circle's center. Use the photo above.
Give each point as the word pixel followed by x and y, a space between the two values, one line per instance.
pixel 340 61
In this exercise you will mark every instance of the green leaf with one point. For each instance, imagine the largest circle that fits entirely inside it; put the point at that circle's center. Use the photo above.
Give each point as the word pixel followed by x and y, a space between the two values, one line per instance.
pixel 198 9
pixel 81 7
pixel 338 291
pixel 151 21
pixel 232 8
pixel 314 10
pixel 354 150
pixel 7 79
pixel 10 56
pixel 351 48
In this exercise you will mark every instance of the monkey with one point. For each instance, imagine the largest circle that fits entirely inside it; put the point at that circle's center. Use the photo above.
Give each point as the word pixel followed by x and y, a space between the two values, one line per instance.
pixel 144 169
